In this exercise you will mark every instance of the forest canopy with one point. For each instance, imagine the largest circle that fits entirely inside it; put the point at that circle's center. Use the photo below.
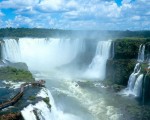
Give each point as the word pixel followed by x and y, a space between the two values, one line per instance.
pixel 42 32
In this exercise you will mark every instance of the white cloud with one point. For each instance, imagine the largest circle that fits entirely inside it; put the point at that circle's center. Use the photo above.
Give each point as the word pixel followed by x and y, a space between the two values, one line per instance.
pixel 136 17
pixel 79 14
pixel 38 21
pixel 19 21
pixel 48 5
pixel 17 3
pixel 27 10
pixel 126 1
pixel 113 10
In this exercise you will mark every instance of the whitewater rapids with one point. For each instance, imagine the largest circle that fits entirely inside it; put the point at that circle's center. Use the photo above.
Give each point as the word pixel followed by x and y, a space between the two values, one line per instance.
pixel 71 97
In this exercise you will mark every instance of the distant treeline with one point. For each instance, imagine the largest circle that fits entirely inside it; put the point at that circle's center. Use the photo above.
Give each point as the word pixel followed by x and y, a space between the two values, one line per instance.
pixel 41 32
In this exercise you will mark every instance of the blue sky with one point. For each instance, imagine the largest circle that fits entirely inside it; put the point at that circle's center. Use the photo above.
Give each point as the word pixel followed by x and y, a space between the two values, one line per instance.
pixel 76 14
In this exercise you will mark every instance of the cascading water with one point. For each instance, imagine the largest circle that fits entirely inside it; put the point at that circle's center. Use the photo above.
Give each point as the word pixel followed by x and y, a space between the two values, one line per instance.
pixel 135 80
pixel 73 101
pixel 42 54
pixel 41 111
pixel 133 77
pixel 11 50
pixel 141 54
pixel 138 85
pixel 97 68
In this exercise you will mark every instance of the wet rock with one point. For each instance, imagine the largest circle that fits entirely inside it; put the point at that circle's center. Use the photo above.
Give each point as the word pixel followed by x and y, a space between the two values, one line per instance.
pixel 119 70
pixel 117 88
pixel 11 116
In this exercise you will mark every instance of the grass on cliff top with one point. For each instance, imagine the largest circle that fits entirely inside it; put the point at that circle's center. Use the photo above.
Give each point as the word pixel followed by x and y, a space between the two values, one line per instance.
pixel 13 74
pixel 131 39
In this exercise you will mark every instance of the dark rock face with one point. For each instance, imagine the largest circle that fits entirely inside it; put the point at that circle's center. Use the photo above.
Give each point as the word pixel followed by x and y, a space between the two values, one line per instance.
pixel 11 116
pixel 125 57
pixel 119 70
pixel 120 67
pixel 29 97
pixel 146 90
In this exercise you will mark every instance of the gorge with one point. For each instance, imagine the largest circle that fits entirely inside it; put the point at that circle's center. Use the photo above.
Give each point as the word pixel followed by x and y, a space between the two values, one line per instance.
pixel 78 72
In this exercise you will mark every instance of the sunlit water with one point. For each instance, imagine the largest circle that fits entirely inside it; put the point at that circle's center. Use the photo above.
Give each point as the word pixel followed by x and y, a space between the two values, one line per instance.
pixel 72 96
pixel 83 99
pixel 97 68
pixel 136 78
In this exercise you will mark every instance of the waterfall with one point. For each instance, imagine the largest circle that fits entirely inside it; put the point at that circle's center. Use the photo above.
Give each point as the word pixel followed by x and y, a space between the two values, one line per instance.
pixel 38 111
pixel 97 68
pixel 149 63
pixel 135 80
pixel 41 111
pixel 11 50
pixel 138 85
pixel 141 53
pixel 40 53
pixel 133 76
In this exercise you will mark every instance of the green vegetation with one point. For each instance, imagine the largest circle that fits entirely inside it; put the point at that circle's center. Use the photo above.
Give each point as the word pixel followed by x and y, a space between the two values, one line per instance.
pixel 32 98
pixel 144 68
pixel 119 70
pixel 46 100
pixel 13 74
pixel 133 39
pixel 126 52
pixel 127 48
pixel 42 32
pixel 122 65
pixel 33 32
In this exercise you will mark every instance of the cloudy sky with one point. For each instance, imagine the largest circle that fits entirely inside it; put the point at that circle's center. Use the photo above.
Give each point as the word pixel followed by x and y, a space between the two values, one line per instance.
pixel 76 14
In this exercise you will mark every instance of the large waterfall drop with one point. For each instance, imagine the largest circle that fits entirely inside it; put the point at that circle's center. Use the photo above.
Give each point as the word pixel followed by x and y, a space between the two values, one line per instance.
pixel 97 68
pixel 71 97
pixel 11 50
pixel 40 53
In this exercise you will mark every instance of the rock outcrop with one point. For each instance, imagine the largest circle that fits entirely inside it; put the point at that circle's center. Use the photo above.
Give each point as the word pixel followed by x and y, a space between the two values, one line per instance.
pixel 11 116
